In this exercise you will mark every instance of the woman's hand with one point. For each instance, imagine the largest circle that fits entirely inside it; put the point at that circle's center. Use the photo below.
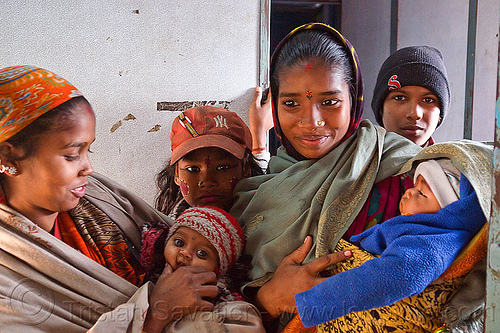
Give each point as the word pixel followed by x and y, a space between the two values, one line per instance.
pixel 179 293
pixel 260 118
pixel 291 277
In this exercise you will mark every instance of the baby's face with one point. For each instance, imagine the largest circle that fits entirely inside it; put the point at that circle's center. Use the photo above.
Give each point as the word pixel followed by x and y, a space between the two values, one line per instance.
pixel 419 199
pixel 187 247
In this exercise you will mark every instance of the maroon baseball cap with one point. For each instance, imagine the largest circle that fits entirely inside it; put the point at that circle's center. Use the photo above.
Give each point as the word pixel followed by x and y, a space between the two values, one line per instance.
pixel 209 126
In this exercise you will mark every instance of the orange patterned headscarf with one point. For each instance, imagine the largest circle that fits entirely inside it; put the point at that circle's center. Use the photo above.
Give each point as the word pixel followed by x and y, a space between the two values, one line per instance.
pixel 27 92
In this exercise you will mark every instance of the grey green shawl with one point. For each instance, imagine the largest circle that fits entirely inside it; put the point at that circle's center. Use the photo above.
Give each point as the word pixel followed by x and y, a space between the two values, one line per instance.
pixel 314 197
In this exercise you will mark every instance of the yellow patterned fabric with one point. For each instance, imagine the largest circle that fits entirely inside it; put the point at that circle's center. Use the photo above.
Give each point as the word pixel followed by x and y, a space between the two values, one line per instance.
pixel 419 313
pixel 27 92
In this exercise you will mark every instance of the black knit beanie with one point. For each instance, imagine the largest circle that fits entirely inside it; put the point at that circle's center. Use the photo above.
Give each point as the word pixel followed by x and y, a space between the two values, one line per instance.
pixel 412 66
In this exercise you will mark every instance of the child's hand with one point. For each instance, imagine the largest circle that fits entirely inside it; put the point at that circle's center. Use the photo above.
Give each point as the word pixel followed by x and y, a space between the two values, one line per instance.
pixel 291 277
pixel 178 293
pixel 261 118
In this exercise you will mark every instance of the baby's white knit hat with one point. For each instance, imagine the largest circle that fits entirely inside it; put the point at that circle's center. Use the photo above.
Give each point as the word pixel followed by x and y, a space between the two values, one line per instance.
pixel 443 179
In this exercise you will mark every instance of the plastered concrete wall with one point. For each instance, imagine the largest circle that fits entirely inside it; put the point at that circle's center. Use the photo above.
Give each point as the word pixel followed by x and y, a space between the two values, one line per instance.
pixel 442 24
pixel 370 35
pixel 485 79
pixel 126 56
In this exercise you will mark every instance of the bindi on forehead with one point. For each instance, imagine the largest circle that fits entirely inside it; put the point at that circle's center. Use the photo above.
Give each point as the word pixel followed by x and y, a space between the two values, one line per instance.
pixel 208 161
pixel 308 66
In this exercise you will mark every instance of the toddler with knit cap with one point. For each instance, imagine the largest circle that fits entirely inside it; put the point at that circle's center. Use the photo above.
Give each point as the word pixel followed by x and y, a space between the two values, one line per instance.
pixel 211 238
pixel 409 249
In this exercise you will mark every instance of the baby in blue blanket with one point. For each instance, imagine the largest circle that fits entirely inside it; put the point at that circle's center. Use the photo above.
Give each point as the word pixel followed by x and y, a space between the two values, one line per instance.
pixel 439 216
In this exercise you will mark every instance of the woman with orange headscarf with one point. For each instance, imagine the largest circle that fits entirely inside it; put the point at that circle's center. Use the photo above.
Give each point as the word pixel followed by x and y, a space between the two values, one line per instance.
pixel 68 240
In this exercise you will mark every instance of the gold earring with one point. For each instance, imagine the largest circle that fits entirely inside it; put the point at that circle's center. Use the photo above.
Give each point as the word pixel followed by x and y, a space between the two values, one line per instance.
pixel 9 170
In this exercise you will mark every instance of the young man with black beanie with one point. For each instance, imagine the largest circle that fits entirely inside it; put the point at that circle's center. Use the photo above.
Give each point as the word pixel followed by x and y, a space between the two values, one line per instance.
pixel 412 93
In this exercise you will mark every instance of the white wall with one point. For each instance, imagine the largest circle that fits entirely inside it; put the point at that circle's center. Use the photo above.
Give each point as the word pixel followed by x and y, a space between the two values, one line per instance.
pixel 125 56
pixel 366 24
pixel 485 78
pixel 440 23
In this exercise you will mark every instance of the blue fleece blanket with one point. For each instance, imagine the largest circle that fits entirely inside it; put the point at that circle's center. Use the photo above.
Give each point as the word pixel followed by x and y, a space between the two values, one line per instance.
pixel 414 251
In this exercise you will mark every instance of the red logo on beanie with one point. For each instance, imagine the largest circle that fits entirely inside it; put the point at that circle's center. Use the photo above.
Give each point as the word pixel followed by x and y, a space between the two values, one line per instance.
pixel 393 83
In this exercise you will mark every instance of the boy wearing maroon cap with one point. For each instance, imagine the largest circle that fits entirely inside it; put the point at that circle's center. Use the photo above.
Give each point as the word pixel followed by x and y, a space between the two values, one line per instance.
pixel 211 152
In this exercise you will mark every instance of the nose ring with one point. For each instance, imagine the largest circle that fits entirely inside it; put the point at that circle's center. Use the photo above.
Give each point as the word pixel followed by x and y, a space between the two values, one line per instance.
pixel 320 123
pixel 200 183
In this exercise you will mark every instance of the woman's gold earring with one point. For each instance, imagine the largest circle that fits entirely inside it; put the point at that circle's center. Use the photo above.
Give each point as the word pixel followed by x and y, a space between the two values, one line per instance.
pixel 10 170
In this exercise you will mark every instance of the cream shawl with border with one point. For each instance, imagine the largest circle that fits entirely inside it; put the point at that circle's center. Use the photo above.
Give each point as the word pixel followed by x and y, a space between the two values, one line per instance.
pixel 47 286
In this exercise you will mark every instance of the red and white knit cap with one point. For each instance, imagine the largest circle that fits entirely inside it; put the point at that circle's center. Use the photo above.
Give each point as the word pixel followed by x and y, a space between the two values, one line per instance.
pixel 219 227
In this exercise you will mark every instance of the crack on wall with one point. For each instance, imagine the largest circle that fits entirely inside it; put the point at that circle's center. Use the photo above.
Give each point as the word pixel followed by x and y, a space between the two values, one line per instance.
pixel 119 123
pixel 183 106
pixel 130 116
pixel 155 128
pixel 115 126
